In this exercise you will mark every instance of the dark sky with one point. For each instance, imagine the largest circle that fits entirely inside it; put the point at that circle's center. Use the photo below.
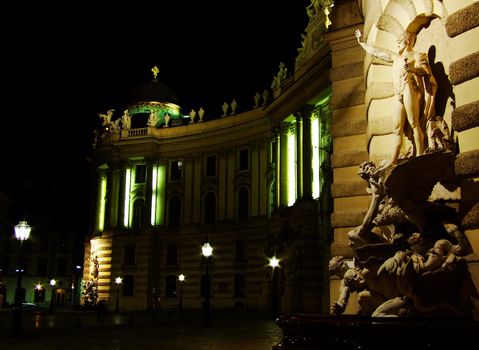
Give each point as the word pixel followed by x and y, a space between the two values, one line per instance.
pixel 65 62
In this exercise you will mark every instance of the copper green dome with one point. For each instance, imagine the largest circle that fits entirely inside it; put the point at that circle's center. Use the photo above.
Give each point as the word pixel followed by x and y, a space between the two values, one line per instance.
pixel 154 97
pixel 152 91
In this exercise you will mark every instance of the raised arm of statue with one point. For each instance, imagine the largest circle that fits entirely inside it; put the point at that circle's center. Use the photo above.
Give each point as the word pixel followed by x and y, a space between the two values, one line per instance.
pixel 385 55
pixel 338 266
pixel 339 305
pixel 430 86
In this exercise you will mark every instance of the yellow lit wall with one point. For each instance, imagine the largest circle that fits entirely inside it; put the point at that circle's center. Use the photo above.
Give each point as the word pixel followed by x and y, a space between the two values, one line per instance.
pixel 291 169
pixel 126 216
pixel 101 204
pixel 315 157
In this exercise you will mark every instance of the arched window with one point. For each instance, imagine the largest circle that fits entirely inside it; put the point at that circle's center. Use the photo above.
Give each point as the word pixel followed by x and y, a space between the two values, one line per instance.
pixel 174 211
pixel 243 204
pixel 138 213
pixel 210 208
pixel 128 285
pixel 170 285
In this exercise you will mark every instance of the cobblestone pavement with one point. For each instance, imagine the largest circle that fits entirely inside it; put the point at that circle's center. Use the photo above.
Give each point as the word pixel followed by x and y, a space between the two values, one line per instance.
pixel 245 330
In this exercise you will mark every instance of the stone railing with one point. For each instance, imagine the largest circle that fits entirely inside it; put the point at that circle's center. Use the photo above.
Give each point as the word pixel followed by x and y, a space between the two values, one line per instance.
pixel 136 132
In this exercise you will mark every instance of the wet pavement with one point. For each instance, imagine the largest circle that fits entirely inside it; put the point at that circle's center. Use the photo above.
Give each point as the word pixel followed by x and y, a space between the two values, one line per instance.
pixel 230 329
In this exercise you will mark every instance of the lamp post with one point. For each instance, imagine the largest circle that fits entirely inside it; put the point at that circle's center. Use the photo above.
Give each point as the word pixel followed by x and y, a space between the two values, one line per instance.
pixel 22 232
pixel 53 282
pixel 207 251
pixel 274 263
pixel 118 281
pixel 76 286
pixel 181 278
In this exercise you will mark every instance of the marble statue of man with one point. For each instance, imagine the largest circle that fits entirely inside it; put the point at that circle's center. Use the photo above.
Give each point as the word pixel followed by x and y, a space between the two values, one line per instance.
pixel 413 81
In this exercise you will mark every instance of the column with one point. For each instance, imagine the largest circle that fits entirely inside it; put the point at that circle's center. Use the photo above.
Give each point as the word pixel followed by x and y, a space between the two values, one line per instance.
pixel 222 174
pixel 121 198
pixel 299 156
pixel 113 187
pixel 277 163
pixel 197 193
pixel 148 193
pixel 100 173
pixel 254 152
pixel 283 165
pixel 305 114
pixel 188 207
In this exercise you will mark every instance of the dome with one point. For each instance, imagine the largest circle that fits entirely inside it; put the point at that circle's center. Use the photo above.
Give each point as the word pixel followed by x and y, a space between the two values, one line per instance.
pixel 153 103
pixel 152 91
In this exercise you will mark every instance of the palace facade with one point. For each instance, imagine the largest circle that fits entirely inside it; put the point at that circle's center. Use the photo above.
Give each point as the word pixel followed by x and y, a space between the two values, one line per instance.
pixel 279 180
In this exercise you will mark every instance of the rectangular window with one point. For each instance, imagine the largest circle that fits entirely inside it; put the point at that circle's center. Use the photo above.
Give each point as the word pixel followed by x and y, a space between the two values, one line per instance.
pixel 140 173
pixel 210 166
pixel 239 285
pixel 63 242
pixel 128 286
pixel 44 242
pixel 243 159
pixel 23 265
pixel 171 254
pixel 61 267
pixel 129 254
pixel 170 286
pixel 176 167
pixel 4 266
pixel 240 251
pixel 42 264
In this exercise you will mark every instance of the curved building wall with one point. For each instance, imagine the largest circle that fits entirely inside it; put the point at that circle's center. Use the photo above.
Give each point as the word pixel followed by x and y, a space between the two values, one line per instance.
pixel 251 184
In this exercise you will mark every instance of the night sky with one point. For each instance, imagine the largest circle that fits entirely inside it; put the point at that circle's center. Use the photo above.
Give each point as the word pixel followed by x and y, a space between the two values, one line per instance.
pixel 63 63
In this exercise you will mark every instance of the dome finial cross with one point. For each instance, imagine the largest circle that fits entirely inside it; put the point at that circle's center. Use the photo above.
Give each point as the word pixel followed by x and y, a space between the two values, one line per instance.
pixel 155 71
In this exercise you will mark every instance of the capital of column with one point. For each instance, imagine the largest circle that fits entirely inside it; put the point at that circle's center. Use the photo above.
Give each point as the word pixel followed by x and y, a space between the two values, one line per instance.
pixel 287 128
pixel 305 111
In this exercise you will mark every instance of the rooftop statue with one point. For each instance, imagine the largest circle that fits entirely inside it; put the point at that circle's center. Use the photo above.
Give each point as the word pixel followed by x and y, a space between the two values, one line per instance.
pixel 257 100
pixel 234 105
pixel 167 120
pixel 126 120
pixel 152 119
pixel 201 113
pixel 115 126
pixel 265 97
pixel 192 116
pixel 106 118
pixel 279 78
pixel 225 108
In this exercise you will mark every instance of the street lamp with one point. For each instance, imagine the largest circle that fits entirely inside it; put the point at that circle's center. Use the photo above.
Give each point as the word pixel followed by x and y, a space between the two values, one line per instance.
pixel 181 278
pixel 207 251
pixel 22 232
pixel 118 281
pixel 274 263
pixel 76 286
pixel 53 282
